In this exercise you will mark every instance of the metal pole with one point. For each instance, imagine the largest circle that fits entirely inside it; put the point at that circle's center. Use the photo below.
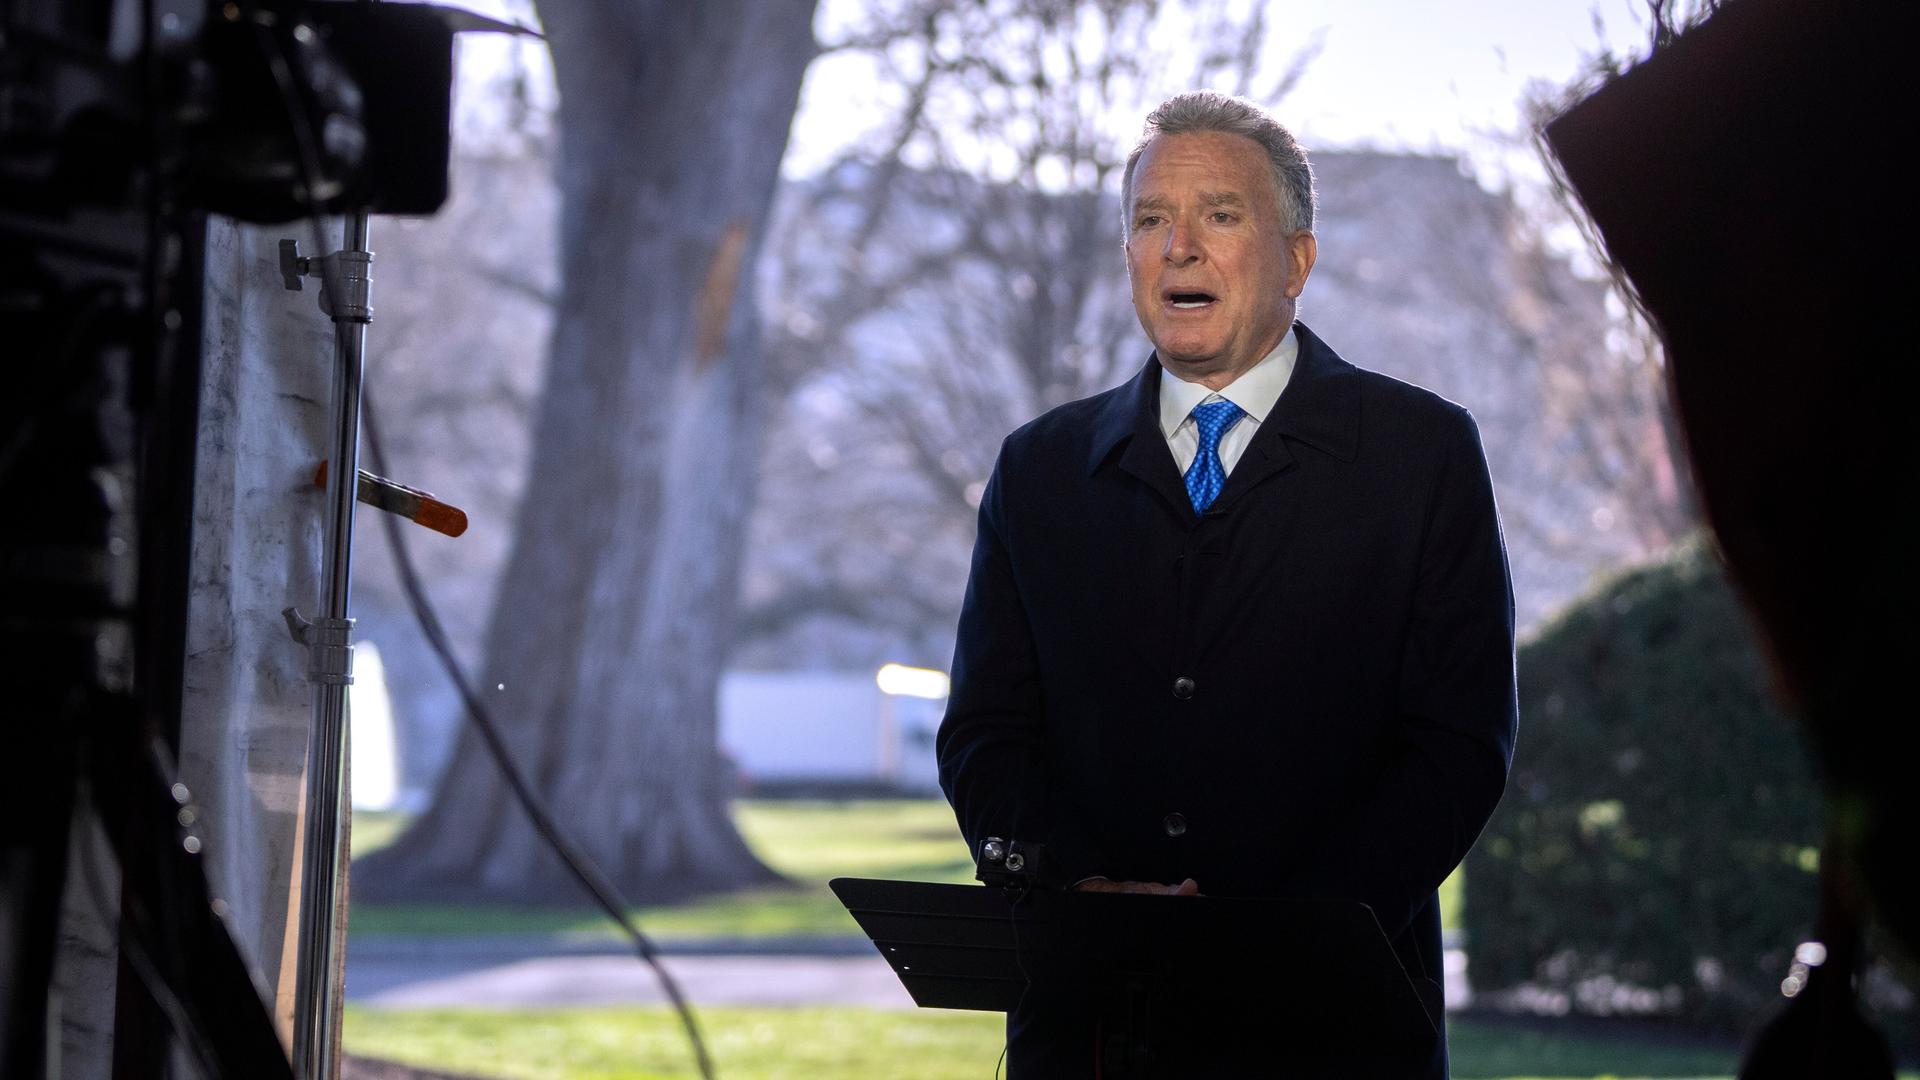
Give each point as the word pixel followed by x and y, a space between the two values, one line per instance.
pixel 346 291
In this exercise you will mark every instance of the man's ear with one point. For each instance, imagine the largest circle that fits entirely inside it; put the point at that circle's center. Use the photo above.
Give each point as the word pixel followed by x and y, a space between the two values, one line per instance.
pixel 1302 249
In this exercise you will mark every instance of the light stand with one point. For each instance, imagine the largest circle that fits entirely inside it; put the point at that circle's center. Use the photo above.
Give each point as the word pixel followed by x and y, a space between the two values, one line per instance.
pixel 345 295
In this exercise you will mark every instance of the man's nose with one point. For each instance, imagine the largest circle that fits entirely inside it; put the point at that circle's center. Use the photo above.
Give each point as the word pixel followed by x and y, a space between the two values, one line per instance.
pixel 1181 248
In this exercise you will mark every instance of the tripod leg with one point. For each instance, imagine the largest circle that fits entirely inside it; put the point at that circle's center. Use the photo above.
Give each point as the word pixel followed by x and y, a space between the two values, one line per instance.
pixel 38 806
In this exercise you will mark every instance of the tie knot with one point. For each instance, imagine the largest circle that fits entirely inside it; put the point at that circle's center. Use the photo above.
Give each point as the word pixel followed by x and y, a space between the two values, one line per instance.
pixel 1214 417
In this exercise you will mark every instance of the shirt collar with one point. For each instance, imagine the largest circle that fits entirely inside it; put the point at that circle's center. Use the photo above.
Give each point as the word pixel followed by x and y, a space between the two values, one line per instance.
pixel 1320 407
pixel 1255 391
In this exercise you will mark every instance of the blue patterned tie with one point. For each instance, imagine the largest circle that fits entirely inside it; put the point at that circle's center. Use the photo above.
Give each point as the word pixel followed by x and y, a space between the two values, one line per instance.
pixel 1206 476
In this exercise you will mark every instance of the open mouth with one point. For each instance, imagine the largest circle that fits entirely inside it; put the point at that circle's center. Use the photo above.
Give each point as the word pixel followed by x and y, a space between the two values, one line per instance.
pixel 1190 299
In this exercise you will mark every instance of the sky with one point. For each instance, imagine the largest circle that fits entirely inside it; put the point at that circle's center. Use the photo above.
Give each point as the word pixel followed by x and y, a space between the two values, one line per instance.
pixel 1407 74
pixel 1421 75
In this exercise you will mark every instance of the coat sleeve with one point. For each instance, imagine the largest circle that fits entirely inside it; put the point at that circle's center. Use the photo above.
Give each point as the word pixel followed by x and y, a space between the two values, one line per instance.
pixel 992 742
pixel 1446 758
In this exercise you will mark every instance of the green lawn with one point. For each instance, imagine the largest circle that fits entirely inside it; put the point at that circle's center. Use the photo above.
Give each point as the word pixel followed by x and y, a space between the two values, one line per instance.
pixel 635 1043
pixel 872 1044
pixel 809 841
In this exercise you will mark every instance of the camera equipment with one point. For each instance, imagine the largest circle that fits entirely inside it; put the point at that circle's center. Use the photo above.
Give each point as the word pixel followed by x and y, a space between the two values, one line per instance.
pixel 1010 863
pixel 121 126
pixel 334 106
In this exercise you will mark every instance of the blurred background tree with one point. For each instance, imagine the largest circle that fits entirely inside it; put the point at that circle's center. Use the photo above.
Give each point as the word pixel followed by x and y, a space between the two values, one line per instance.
pixel 612 614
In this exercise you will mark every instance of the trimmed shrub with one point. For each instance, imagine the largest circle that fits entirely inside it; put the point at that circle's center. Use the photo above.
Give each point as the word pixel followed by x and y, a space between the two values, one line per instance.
pixel 1658 846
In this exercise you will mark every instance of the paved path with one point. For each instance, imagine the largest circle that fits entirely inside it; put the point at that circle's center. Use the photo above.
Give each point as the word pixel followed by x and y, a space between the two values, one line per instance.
pixel 509 972
pixel 519 972
pixel 623 980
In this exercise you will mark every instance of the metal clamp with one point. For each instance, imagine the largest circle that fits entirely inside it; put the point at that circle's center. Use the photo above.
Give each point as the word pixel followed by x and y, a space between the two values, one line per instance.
pixel 352 270
pixel 329 645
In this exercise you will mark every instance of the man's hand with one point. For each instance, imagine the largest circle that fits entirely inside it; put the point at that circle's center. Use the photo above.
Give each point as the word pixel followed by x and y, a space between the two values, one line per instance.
pixel 1188 887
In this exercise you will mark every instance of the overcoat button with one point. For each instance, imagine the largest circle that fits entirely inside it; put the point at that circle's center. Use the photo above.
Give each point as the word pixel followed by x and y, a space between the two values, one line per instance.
pixel 1175 824
pixel 1183 688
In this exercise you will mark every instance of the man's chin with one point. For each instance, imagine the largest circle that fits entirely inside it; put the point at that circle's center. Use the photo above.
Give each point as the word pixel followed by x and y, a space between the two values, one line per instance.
pixel 1189 354
pixel 1189 363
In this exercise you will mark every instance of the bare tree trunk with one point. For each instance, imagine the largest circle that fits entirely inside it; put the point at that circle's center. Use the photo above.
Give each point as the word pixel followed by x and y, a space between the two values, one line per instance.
pixel 615 609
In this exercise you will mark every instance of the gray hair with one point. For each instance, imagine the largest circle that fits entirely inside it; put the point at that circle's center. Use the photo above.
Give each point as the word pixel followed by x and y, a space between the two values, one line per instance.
pixel 1206 110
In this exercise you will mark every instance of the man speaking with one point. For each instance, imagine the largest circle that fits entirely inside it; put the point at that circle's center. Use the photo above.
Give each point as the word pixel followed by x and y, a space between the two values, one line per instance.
pixel 1243 625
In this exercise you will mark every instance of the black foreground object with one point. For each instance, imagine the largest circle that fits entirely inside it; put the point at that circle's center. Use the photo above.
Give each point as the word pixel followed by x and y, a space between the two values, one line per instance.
pixel 1797 416
pixel 1316 977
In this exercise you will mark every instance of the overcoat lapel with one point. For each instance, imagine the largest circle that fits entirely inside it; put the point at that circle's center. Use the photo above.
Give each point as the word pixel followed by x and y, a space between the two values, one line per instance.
pixel 1319 407
pixel 1132 417
pixel 1266 456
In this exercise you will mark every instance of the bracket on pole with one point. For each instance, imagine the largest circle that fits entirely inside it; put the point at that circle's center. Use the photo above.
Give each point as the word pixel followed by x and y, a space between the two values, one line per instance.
pixel 352 270
pixel 329 645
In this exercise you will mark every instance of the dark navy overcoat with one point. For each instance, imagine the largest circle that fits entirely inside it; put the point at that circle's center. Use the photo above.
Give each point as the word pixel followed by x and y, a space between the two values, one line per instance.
pixel 1308 690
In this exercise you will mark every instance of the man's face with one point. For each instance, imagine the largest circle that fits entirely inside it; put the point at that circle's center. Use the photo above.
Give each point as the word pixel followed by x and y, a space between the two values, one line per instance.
pixel 1214 272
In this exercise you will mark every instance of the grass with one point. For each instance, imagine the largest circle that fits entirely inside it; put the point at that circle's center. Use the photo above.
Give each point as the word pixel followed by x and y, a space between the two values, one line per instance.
pixel 874 1044
pixel 1483 1050
pixel 636 1043
pixel 809 841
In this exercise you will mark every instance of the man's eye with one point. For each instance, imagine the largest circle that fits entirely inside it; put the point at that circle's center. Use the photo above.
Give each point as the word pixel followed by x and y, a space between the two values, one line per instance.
pixel 1221 217
pixel 1146 222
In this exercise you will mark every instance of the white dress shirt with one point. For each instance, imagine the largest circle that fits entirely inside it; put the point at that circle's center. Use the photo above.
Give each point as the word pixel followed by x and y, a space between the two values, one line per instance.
pixel 1255 392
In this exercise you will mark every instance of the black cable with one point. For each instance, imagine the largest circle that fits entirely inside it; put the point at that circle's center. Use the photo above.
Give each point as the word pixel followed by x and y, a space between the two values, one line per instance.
pixel 577 861
pixel 1026 980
